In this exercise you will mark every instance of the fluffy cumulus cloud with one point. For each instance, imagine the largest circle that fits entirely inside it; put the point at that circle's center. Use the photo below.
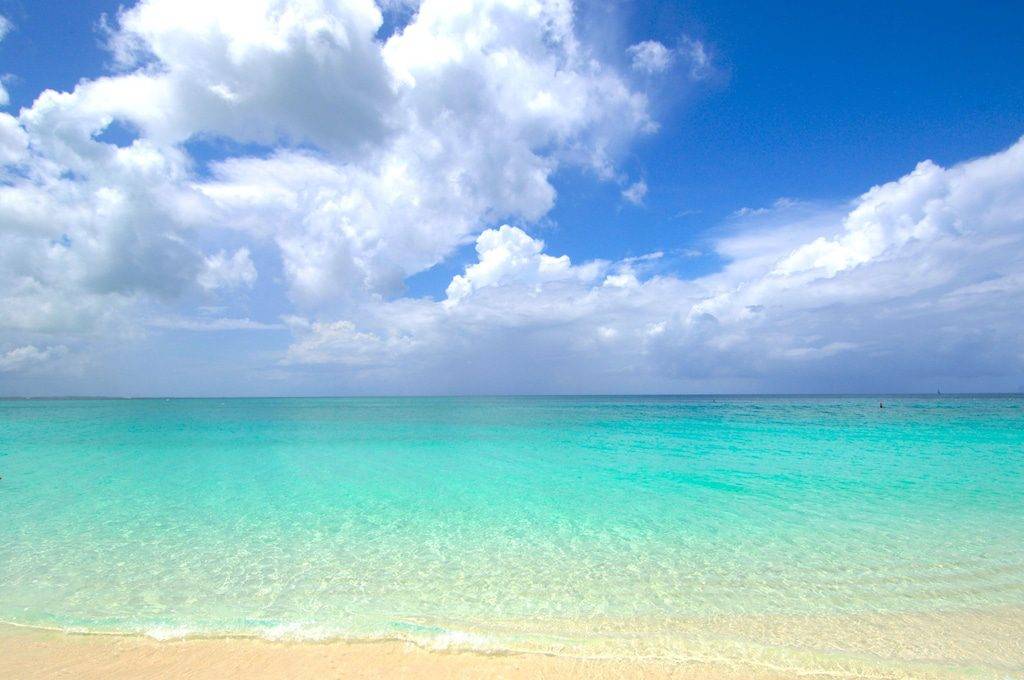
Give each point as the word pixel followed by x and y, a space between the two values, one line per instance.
pixel 651 57
pixel 223 271
pixel 508 255
pixel 283 168
pixel 259 70
pixel 916 281
pixel 486 101
pixel 373 159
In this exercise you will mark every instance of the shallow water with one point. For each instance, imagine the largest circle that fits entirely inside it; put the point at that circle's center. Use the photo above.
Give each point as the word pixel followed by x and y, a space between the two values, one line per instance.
pixel 814 534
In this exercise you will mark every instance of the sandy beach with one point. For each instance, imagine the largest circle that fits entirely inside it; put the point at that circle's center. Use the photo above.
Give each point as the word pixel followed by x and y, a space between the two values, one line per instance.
pixel 985 646
pixel 28 653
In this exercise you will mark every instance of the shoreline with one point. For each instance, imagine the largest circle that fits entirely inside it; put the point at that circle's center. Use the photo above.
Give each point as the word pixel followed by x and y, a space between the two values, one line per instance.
pixel 28 653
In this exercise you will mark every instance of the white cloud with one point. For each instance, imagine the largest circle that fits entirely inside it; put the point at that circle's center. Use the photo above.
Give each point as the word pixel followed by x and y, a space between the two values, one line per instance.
pixel 385 156
pixel 13 141
pixel 516 320
pixel 348 230
pixel 5 27
pixel 650 56
pixel 260 70
pixel 635 192
pixel 509 256
pixel 808 297
pixel 928 229
pixel 697 58
pixel 84 237
pixel 354 163
pixel 29 357
pixel 223 271
pixel 182 323
pixel 780 203
pixel 339 342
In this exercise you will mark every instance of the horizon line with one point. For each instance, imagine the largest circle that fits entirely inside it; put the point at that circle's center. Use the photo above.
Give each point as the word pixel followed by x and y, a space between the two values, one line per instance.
pixel 538 395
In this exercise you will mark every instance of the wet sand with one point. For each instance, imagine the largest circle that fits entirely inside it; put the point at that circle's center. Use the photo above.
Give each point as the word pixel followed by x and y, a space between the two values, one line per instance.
pixel 28 653
pixel 984 646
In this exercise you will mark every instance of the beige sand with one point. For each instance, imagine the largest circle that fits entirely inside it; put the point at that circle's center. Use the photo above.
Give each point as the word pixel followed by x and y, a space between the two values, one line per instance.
pixel 27 653
pixel 940 646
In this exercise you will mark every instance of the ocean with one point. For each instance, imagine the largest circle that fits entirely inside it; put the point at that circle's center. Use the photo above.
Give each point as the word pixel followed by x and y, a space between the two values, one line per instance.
pixel 813 534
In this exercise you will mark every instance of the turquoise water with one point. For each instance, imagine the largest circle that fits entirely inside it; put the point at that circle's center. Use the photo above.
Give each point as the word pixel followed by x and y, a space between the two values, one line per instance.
pixel 782 529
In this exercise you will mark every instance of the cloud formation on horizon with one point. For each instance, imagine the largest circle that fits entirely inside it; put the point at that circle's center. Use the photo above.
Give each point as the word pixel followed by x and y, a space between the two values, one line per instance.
pixel 357 161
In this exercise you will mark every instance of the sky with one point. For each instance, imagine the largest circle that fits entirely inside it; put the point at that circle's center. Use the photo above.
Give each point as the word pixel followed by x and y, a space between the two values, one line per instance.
pixel 328 197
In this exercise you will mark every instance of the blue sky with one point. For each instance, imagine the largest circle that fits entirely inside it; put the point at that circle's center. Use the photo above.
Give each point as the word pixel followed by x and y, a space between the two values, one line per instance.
pixel 305 197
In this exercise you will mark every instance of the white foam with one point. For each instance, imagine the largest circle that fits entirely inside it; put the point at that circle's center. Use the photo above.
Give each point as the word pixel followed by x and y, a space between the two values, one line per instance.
pixel 165 633
pixel 458 639
pixel 297 632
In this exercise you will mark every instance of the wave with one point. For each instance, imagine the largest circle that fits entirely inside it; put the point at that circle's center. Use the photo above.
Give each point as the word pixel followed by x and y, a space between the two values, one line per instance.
pixel 711 650
pixel 431 638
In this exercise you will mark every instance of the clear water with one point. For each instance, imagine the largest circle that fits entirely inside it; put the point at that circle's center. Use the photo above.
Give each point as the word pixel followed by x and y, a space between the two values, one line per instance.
pixel 813 534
